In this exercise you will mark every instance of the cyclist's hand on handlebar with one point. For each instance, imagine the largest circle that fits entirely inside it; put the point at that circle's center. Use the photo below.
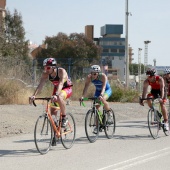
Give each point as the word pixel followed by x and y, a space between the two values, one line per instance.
pixel 54 98
pixel 81 99
pixel 31 99
pixel 141 102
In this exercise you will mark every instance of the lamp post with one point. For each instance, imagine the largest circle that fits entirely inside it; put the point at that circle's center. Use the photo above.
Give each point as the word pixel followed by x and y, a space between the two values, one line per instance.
pixel 126 45
pixel 139 68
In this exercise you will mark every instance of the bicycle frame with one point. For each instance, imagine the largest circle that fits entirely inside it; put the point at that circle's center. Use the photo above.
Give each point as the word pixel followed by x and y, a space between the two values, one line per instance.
pixel 57 130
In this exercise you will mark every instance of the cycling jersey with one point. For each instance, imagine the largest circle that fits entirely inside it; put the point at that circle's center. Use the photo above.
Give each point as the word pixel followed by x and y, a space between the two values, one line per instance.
pixel 67 90
pixel 98 84
pixel 155 85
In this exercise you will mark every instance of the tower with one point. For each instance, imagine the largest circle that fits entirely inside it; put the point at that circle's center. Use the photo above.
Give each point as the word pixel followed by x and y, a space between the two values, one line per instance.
pixel 146 54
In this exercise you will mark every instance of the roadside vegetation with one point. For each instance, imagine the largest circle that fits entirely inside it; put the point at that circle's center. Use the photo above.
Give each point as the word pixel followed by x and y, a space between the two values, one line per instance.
pixel 74 52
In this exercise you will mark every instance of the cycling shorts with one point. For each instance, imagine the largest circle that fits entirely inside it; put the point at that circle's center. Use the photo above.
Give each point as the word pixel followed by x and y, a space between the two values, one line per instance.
pixel 155 93
pixel 66 91
pixel 107 93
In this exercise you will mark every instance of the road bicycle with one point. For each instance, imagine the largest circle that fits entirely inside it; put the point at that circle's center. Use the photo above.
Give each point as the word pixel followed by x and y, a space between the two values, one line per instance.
pixel 96 121
pixel 48 132
pixel 155 118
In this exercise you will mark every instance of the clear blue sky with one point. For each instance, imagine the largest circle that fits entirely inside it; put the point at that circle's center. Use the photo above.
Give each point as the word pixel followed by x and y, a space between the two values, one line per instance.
pixel 149 21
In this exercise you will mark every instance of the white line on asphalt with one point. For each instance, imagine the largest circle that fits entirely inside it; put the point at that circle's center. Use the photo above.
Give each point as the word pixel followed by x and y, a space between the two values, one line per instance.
pixel 138 160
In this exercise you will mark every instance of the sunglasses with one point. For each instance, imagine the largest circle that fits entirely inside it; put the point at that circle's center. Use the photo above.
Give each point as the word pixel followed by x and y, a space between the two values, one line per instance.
pixel 47 67
pixel 94 74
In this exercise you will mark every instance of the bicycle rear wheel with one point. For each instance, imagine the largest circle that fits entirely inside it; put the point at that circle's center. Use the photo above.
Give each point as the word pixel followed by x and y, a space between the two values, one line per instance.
pixel 92 126
pixel 43 134
pixel 68 133
pixel 109 127
pixel 153 123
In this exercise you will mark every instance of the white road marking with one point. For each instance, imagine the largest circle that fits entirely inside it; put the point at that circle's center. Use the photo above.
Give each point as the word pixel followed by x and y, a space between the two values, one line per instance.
pixel 138 160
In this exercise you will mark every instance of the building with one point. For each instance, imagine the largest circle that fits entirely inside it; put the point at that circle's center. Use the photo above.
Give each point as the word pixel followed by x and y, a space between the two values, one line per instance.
pixel 113 49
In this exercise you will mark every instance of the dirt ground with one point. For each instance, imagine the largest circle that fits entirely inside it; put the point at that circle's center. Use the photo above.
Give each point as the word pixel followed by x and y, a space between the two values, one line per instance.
pixel 20 119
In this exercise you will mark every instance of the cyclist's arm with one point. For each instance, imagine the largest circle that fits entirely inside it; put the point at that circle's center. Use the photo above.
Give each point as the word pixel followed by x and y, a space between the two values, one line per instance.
pixel 162 86
pixel 43 79
pixel 87 82
pixel 145 88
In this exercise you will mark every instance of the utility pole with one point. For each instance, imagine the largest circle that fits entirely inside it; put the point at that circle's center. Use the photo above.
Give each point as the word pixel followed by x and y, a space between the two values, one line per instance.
pixel 146 54
pixel 139 68
pixel 126 45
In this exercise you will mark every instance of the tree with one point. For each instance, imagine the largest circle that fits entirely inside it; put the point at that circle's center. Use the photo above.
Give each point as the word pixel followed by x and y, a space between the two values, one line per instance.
pixel 75 50
pixel 14 36
pixel 134 69
pixel 14 48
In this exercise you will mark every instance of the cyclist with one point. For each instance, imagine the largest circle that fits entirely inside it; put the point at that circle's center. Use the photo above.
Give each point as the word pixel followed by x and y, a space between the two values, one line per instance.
pixel 103 89
pixel 157 89
pixel 62 86
pixel 167 81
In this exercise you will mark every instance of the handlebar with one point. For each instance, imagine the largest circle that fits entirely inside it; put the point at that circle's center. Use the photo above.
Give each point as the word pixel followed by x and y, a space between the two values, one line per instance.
pixel 41 98
pixel 95 99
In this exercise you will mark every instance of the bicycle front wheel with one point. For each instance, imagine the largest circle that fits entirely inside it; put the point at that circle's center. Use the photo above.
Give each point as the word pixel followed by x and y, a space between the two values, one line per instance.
pixel 92 126
pixel 109 126
pixel 153 123
pixel 68 133
pixel 43 134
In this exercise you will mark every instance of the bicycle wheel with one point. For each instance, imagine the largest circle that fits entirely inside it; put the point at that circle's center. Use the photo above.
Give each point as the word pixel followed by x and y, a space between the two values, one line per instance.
pixel 68 134
pixel 43 134
pixel 153 123
pixel 91 126
pixel 109 127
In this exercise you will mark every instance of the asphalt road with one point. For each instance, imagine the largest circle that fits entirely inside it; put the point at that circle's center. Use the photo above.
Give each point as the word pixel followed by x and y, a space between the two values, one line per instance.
pixel 131 148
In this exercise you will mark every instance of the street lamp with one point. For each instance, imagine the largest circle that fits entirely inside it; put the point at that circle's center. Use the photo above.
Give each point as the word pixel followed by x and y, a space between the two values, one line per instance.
pixel 139 68
pixel 126 46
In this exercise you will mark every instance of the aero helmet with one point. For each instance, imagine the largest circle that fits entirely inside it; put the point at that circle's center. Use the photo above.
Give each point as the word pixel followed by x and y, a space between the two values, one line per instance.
pixel 167 71
pixel 49 62
pixel 151 72
pixel 95 68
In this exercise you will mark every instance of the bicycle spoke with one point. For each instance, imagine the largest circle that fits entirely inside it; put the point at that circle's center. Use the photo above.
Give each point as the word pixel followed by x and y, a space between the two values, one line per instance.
pixel 109 127
pixel 91 126
pixel 68 133
pixel 153 123
pixel 43 134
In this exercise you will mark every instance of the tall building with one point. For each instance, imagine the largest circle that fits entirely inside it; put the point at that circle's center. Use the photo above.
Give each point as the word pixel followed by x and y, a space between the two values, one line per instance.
pixel 2 12
pixel 113 51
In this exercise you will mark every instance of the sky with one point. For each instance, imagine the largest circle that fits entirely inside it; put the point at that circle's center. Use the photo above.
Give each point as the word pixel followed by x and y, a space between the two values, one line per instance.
pixel 149 20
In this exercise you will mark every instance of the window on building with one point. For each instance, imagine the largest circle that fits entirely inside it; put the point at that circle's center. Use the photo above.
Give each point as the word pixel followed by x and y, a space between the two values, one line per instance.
pixel 121 50
pixel 105 50
pixel 113 50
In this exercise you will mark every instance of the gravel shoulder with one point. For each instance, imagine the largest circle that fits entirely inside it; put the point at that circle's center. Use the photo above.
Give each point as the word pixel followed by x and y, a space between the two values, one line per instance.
pixel 20 119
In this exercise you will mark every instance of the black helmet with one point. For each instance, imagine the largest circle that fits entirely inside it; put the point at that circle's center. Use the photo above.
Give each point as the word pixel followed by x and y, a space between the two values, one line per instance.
pixel 151 72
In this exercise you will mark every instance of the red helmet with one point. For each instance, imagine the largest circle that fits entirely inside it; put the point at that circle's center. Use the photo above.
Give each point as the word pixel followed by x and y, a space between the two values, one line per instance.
pixel 49 62
pixel 151 72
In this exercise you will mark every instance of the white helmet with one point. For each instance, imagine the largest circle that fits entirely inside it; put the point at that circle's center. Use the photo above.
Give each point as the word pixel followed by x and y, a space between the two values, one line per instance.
pixel 49 62
pixel 95 68
pixel 167 71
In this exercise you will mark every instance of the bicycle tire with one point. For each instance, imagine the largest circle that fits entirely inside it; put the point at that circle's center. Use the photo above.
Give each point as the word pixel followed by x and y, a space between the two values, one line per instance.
pixel 92 126
pixel 43 134
pixel 109 128
pixel 153 123
pixel 68 133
